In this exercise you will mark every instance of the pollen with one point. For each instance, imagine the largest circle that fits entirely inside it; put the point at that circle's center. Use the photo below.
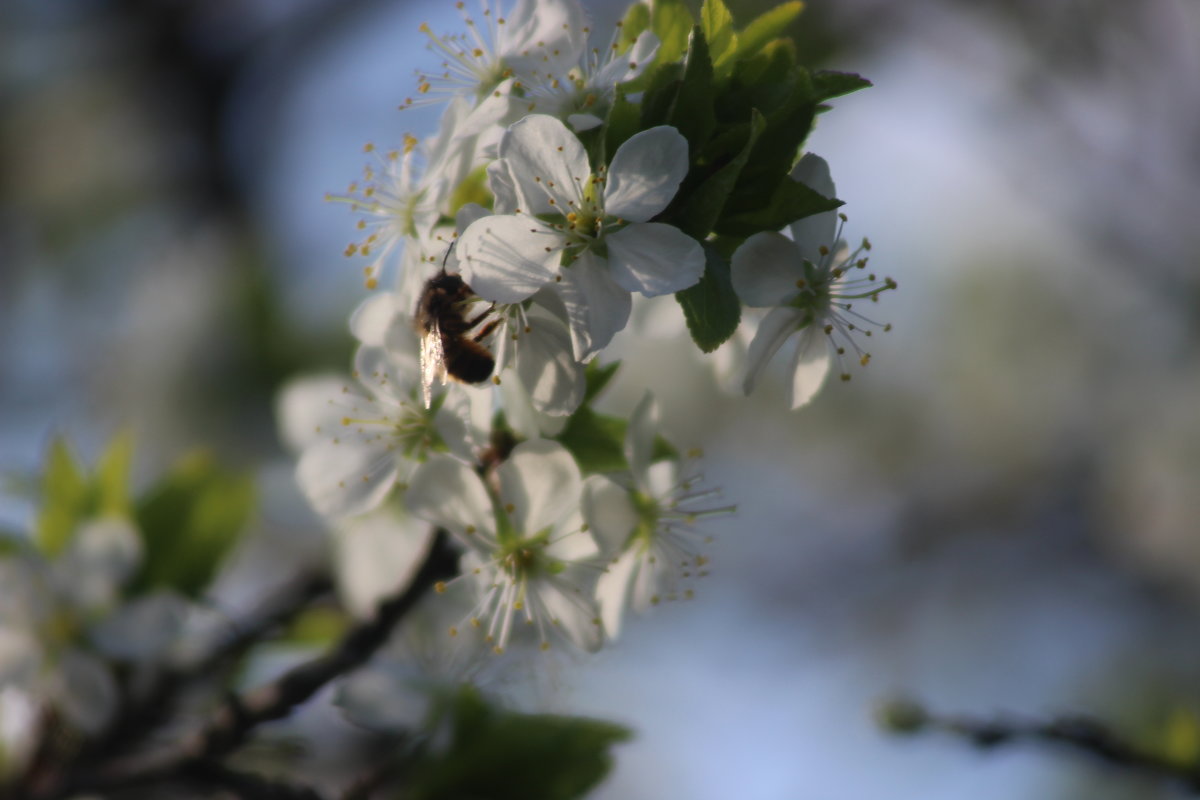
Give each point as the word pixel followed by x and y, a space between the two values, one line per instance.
pixel 440 587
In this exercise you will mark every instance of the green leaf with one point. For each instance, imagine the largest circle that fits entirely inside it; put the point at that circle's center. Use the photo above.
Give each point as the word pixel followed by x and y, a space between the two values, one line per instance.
pixel 788 125
pixel 597 377
pixel 66 499
pixel 189 522
pixel 717 24
pixel 597 441
pixel 659 97
pixel 623 121
pixel 828 84
pixel 671 21
pixel 791 201
pixel 504 755
pixel 703 205
pixel 768 26
pixel 692 112
pixel 112 476
pixel 711 307
pixel 633 24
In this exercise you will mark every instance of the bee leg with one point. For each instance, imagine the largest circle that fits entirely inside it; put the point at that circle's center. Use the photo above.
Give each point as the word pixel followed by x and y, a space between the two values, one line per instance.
pixel 480 318
pixel 485 330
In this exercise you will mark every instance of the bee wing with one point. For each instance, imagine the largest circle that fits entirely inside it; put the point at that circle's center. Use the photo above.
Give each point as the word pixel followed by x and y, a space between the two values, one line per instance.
pixel 433 362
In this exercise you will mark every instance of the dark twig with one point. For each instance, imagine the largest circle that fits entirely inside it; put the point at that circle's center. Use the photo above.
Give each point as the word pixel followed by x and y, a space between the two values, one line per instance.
pixel 238 716
pixel 1080 733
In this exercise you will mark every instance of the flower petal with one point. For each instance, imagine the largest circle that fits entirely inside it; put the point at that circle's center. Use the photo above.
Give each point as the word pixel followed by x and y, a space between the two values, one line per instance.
pixel 306 411
pixel 596 306
pixel 765 270
pixel 377 555
pixel 772 332
pixel 654 258
pixel 645 174
pixel 810 365
pixel 351 474
pixel 448 493
pixel 811 232
pixel 639 439
pixel 609 513
pixel 546 161
pixel 546 366
pixel 573 612
pixel 541 481
pixel 369 322
pixel 507 257
pixel 142 629
pixel 86 692
pixel 612 590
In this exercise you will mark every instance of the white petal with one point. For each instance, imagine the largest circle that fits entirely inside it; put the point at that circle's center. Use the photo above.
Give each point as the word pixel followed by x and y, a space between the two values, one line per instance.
pixel 143 629
pixel 575 613
pixel 639 439
pixel 542 482
pixel 810 365
pixel 612 590
pixel 85 690
pixel 765 270
pixel 305 409
pixel 384 699
pixel 506 258
pixel 20 656
pixel 583 122
pixel 596 306
pixel 772 332
pixel 662 479
pixel 370 321
pixel 546 162
pixel 645 174
pixel 546 367
pixel 544 35
pixel 627 66
pixel 816 230
pixel 102 555
pixel 448 493
pixel 609 513
pixel 350 475
pixel 654 259
pixel 504 189
pixel 377 555
pixel 390 376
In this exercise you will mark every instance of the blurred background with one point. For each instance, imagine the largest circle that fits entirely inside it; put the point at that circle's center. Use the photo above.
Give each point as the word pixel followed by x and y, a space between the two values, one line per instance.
pixel 1000 514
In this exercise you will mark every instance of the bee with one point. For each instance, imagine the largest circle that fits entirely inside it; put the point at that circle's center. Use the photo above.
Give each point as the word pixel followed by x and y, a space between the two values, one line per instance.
pixel 450 343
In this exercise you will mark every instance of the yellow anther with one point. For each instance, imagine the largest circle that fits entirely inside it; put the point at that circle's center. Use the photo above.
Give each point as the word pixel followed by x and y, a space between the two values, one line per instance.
pixel 440 587
pixel 866 359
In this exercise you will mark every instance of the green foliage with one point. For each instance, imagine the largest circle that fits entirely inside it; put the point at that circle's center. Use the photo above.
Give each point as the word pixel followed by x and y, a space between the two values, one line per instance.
pixel 746 107
pixel 671 21
pixel 70 496
pixel 189 522
pixel 635 21
pixel 597 441
pixel 498 754
pixel 769 25
pixel 828 84
pixel 711 307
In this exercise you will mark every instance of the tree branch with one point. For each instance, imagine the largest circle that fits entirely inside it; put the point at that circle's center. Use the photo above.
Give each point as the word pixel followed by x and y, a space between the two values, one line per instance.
pixel 239 715
pixel 1076 732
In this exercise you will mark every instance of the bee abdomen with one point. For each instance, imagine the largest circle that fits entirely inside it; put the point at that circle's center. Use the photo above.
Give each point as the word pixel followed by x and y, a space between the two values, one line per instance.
pixel 469 361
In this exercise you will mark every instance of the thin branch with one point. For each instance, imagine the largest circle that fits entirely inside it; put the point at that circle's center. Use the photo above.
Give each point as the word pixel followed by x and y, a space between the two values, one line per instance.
pixel 239 715
pixel 1076 732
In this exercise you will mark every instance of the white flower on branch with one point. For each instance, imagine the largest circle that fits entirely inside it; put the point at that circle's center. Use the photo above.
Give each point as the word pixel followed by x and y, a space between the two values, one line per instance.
pixel 584 234
pixel 528 551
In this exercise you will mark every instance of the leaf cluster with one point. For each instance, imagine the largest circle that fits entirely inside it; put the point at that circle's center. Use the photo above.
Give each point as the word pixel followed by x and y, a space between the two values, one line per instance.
pixel 746 106
pixel 188 520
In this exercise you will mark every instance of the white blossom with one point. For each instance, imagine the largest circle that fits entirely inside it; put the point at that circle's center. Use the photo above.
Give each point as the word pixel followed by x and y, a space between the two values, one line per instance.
pixel 648 527
pixel 584 234
pixel 811 283
pixel 527 549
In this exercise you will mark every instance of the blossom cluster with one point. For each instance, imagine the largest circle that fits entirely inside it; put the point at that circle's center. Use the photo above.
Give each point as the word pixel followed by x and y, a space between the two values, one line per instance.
pixel 503 253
